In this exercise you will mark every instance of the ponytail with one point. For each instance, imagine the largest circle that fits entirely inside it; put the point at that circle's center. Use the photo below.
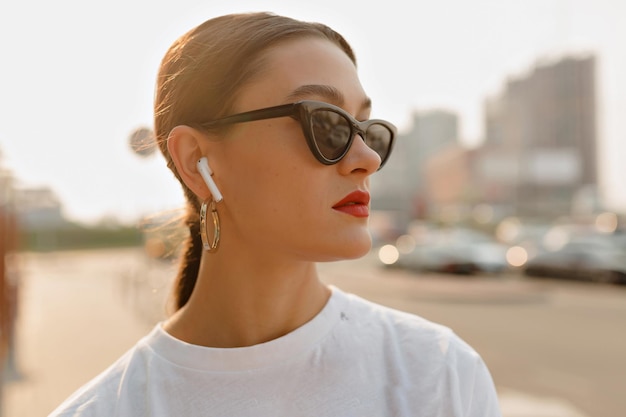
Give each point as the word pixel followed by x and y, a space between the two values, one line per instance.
pixel 190 259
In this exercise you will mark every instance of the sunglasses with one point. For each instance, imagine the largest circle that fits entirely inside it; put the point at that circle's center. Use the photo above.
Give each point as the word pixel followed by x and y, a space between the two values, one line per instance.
pixel 328 129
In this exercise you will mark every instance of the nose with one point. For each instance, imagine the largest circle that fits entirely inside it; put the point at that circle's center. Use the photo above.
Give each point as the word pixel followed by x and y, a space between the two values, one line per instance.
pixel 360 158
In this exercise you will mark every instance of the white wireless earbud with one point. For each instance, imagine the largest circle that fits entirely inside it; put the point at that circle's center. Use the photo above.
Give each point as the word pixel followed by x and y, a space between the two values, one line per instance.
pixel 205 171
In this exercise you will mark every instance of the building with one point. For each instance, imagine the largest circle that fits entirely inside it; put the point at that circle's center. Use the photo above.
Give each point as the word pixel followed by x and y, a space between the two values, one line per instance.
pixel 401 187
pixel 39 208
pixel 540 145
pixel 448 183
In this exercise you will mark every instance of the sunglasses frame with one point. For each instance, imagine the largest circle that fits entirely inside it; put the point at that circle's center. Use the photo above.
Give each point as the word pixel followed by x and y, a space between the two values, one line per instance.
pixel 302 112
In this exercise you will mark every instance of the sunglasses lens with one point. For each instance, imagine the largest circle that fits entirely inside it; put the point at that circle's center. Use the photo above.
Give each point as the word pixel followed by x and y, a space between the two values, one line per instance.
pixel 378 137
pixel 331 132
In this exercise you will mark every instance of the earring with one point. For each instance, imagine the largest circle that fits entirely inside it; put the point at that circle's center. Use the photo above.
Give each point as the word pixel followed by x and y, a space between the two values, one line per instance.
pixel 210 205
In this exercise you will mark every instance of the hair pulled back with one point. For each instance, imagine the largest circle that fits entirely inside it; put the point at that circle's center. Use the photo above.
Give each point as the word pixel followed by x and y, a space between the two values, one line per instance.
pixel 198 81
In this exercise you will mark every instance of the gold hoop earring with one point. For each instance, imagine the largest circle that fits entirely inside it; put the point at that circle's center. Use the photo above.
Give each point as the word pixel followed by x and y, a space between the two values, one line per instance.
pixel 209 246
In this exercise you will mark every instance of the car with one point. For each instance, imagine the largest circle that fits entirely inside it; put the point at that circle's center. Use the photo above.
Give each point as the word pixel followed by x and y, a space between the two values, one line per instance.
pixel 450 250
pixel 587 258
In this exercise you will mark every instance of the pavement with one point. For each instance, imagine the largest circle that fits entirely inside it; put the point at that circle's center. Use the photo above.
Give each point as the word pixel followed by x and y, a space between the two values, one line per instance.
pixel 72 324
pixel 80 311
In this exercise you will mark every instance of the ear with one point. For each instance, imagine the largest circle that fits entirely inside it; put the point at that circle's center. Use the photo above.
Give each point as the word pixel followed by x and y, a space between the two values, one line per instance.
pixel 186 145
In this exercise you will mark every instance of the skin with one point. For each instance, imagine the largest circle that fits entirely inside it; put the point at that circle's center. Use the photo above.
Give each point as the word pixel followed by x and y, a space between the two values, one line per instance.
pixel 277 218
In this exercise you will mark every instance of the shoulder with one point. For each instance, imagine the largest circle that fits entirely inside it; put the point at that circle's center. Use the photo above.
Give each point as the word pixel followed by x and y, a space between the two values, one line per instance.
pixel 95 398
pixel 100 396
pixel 427 356
pixel 392 322
pixel 411 330
pixel 411 338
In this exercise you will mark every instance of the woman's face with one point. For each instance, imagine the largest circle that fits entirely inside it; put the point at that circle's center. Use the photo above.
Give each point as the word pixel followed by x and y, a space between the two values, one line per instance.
pixel 277 197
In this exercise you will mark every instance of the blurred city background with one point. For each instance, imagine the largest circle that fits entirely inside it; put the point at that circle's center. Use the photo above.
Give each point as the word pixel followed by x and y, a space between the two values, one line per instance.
pixel 514 239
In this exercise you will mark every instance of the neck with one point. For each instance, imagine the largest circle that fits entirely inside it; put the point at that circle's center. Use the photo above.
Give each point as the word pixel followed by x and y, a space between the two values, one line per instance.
pixel 239 303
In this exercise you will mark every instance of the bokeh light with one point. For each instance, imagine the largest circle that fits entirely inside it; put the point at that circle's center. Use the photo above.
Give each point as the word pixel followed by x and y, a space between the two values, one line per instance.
pixel 388 254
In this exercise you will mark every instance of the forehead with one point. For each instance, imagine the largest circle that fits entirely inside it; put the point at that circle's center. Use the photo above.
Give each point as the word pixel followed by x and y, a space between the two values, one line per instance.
pixel 291 65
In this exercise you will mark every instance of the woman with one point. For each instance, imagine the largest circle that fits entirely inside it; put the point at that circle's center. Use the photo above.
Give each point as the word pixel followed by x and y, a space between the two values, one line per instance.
pixel 264 122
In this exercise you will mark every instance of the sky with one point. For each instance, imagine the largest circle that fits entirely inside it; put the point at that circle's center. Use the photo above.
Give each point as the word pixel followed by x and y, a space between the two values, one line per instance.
pixel 78 77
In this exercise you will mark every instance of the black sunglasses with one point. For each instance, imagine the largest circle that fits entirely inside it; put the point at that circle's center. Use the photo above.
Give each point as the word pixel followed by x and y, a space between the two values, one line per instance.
pixel 328 129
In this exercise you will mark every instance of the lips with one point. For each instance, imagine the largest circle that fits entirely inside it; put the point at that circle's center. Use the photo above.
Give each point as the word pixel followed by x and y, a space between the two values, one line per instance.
pixel 355 204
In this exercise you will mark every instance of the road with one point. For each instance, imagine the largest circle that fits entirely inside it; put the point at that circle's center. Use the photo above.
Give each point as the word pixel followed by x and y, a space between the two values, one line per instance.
pixel 555 348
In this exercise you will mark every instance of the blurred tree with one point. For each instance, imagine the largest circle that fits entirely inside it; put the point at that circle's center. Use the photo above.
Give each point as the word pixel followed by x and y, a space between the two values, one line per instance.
pixel 9 279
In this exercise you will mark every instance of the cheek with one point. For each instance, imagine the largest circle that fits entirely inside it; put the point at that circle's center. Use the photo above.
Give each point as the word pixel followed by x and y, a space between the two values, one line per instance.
pixel 273 186
pixel 275 190
pixel 289 191
pixel 269 168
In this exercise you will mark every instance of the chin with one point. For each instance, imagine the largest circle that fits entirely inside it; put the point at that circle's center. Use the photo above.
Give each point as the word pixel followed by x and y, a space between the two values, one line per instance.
pixel 338 247
pixel 355 248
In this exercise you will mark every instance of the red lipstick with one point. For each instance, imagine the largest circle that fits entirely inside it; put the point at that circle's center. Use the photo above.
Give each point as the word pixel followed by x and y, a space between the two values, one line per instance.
pixel 355 204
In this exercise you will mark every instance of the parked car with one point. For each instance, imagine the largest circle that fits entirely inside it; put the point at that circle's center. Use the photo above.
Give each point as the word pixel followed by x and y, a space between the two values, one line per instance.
pixel 589 258
pixel 454 250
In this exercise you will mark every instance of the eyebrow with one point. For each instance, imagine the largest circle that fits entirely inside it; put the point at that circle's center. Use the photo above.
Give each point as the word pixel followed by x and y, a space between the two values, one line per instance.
pixel 329 93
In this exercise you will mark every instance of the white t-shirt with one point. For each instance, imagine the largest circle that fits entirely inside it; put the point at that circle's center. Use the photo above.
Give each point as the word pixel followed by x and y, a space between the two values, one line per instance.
pixel 355 358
